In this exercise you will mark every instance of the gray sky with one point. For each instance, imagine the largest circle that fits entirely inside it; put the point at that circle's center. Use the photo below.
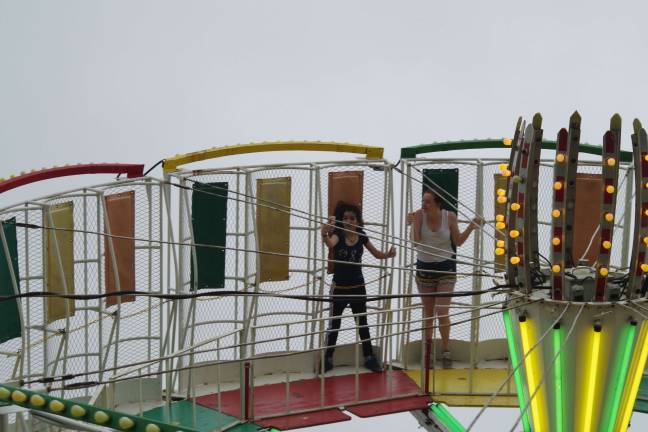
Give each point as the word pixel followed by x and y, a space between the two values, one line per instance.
pixel 136 81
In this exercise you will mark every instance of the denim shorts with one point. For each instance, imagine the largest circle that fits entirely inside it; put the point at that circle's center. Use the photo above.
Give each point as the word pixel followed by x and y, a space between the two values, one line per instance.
pixel 436 270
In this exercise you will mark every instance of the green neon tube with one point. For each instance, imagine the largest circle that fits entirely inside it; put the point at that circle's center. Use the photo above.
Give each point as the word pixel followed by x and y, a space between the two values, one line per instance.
pixel 558 378
pixel 620 372
pixel 451 423
pixel 441 416
pixel 517 376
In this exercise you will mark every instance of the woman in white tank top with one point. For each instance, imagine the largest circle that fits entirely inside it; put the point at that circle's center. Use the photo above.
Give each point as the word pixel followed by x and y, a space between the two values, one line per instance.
pixel 435 232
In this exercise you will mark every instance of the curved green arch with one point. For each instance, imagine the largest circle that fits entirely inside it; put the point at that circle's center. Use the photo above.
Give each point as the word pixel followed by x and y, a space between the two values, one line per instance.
pixel 412 151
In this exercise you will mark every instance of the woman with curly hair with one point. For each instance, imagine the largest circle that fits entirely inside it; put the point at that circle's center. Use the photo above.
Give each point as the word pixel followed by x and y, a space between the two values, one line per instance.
pixel 346 238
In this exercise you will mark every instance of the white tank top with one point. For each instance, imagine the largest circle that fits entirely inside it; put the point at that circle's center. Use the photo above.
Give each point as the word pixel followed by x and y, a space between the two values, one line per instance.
pixel 440 242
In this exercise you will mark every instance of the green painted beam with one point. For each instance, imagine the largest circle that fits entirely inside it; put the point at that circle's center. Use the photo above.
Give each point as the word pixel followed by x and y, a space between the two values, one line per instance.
pixel 84 412
pixel 489 143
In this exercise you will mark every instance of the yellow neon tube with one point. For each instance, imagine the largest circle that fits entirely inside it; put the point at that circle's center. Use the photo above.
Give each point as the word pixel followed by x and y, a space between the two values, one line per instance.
pixel 634 379
pixel 533 368
pixel 591 375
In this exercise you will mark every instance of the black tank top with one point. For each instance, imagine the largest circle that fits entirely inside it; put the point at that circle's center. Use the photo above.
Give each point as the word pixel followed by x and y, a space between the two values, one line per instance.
pixel 345 274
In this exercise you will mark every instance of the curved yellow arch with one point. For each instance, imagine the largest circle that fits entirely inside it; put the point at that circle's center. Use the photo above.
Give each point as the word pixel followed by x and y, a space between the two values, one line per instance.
pixel 171 164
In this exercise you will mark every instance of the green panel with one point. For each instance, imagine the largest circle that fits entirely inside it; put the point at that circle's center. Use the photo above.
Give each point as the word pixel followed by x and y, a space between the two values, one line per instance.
pixel 641 405
pixel 209 221
pixel 207 420
pixel 10 327
pixel 445 183
pixel 413 151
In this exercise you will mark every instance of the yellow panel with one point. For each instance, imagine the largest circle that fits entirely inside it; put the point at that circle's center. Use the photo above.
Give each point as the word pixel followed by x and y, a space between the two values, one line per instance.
pixel 171 164
pixel 501 182
pixel 273 227
pixel 57 259
pixel 533 366
pixel 448 382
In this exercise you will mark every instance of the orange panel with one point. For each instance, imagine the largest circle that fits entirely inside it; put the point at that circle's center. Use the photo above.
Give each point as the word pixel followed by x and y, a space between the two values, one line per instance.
pixel 344 186
pixel 587 216
pixel 120 221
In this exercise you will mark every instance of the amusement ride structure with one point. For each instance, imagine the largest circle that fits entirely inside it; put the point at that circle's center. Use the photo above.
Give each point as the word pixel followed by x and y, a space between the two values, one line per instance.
pixel 200 301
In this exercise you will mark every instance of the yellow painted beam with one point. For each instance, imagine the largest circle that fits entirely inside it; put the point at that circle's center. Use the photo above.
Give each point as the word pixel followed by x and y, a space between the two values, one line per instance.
pixel 171 164
pixel 451 386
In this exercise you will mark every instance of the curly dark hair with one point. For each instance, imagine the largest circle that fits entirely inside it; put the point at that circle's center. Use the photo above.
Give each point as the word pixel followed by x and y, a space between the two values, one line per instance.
pixel 343 207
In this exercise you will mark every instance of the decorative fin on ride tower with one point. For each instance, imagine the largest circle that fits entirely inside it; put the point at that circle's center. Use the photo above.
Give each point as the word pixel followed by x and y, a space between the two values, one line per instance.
pixel 610 171
pixel 557 216
pixel 640 238
pixel 525 230
pixel 562 209
pixel 512 172
pixel 573 141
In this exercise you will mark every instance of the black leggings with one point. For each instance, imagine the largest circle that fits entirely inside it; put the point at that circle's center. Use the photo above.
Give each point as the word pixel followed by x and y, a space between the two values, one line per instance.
pixel 358 306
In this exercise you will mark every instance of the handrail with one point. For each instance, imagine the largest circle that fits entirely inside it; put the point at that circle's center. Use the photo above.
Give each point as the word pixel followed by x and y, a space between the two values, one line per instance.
pixel 171 164
pixel 488 143
pixel 131 171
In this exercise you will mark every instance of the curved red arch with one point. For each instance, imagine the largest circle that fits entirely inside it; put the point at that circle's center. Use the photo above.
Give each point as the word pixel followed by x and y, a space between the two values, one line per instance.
pixel 131 171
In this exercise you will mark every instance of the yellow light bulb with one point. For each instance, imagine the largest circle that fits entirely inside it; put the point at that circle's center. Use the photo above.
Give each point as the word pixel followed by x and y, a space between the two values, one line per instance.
pixel 503 166
pixel 609 189
pixel 646 212
pixel 555 213
pixel 646 185
pixel 646 158
pixel 515 206
pixel 645 240
pixel 507 141
pixel 644 268
pixel 558 185
pixel 101 417
pixel 555 268
pixel 499 251
pixel 37 400
pixel 77 411
pixel 499 218
pixel 501 192
pixel 506 173
pixel 555 241
pixel 515 260
pixel 500 225
pixel 603 271
pixel 152 428
pixel 501 199
pixel 126 423
pixel 611 162
pixel 18 396
pixel 514 233
pixel 499 243
pixel 607 244
pixel 56 406
pixel 609 217
pixel 560 157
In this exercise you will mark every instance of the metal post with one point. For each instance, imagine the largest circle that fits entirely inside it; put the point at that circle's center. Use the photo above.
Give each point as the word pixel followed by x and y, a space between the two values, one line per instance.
pixel 476 281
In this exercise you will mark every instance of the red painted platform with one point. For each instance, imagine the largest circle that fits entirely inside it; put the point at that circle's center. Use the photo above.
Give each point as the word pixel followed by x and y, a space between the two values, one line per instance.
pixel 270 400
pixel 305 420
pixel 391 406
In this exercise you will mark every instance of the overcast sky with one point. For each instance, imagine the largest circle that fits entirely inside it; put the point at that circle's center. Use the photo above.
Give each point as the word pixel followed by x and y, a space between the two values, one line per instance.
pixel 136 81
